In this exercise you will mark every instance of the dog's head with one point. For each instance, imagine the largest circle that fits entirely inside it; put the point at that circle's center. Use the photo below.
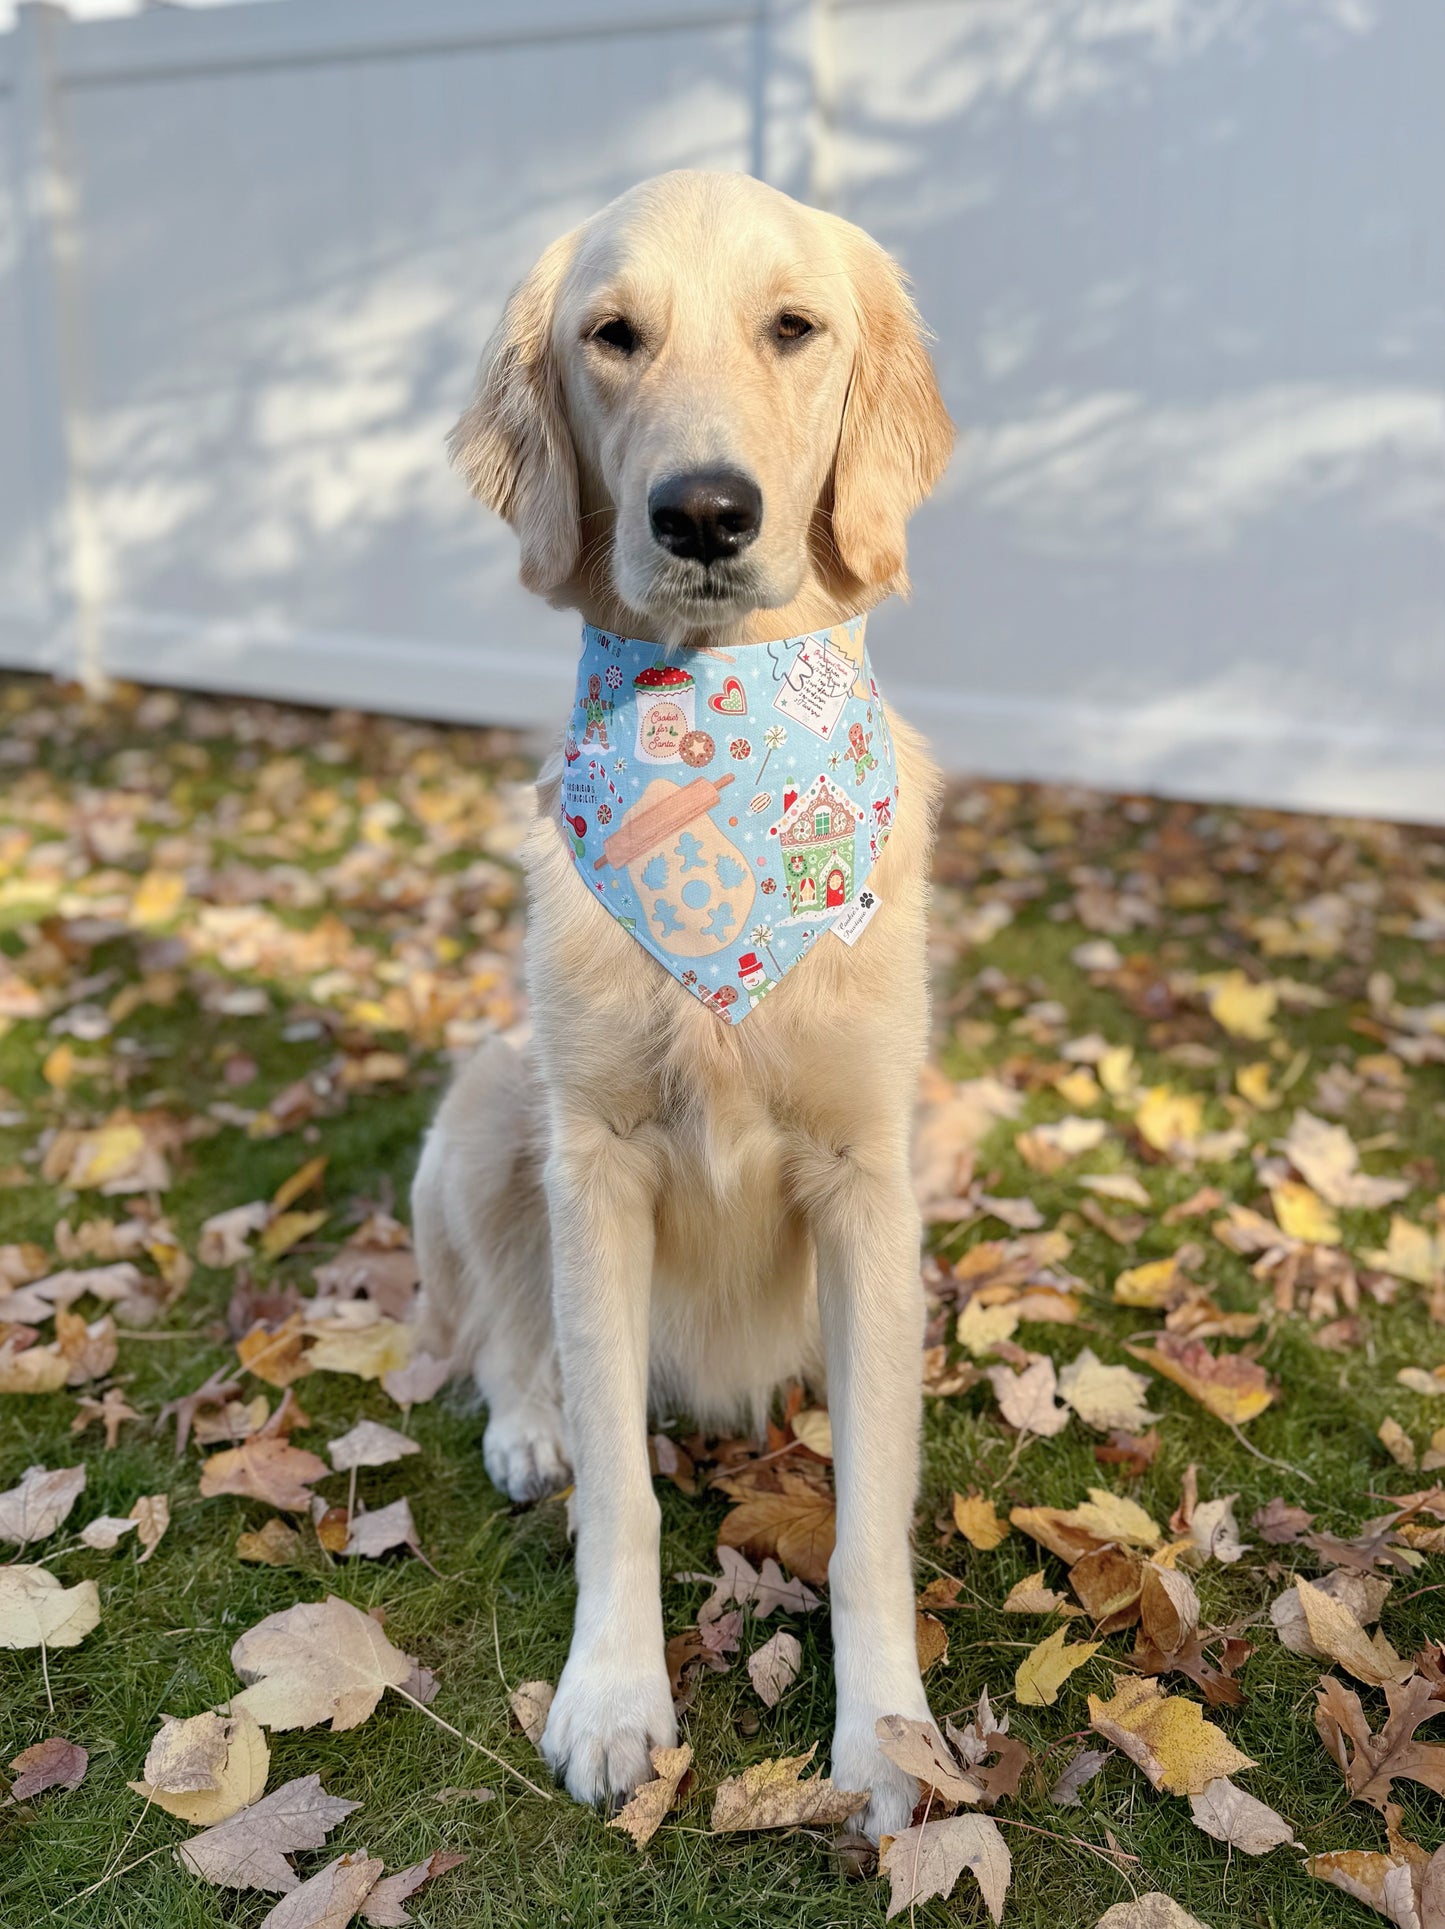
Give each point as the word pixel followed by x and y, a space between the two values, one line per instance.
pixel 701 400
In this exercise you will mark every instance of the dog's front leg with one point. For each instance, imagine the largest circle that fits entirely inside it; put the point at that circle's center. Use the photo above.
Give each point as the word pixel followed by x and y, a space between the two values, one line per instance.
pixel 613 1704
pixel 871 1303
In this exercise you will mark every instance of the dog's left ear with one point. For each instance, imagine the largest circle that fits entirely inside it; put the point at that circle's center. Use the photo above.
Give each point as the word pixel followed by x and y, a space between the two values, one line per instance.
pixel 896 436
pixel 514 443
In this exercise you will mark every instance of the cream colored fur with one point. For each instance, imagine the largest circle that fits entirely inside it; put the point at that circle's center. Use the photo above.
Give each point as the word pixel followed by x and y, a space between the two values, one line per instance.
pixel 652 1205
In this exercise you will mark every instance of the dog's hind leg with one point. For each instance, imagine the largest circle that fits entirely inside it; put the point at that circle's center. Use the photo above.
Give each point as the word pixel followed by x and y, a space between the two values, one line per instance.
pixel 483 1244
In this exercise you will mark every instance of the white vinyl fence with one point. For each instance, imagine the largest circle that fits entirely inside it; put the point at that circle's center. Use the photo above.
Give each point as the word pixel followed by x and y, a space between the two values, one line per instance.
pixel 1185 260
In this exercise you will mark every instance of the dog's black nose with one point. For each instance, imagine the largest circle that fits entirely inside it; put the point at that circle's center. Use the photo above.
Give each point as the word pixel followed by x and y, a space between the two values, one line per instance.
pixel 709 514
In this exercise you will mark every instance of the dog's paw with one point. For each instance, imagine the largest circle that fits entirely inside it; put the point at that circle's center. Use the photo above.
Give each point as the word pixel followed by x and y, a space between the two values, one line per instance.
pixel 525 1452
pixel 605 1721
pixel 858 1762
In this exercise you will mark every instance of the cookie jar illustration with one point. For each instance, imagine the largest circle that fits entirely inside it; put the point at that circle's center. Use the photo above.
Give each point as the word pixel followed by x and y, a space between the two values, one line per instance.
pixel 665 697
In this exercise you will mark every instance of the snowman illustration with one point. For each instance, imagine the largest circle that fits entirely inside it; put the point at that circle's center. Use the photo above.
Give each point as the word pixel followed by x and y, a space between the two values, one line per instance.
pixel 755 980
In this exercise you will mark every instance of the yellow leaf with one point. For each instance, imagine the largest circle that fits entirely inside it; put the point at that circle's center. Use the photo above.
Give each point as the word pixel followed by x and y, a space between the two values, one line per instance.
pixel 1110 1517
pixel 976 1520
pixel 813 1427
pixel 1396 1442
pixel 158 897
pixel 1410 1253
pixel 59 1066
pixel 301 1180
pixel 1115 1071
pixel 770 1795
pixel 1252 1082
pixel 1304 1215
pixel 1234 1389
pixel 980 1328
pixel 33 1369
pixel 1166 1735
pixel 367 1351
pixel 1044 1670
pixel 1150 1285
pixel 288 1229
pixel 240 1780
pixel 1170 1121
pixel 1336 1631
pixel 1078 1087
pixel 1243 1008
pixel 643 1815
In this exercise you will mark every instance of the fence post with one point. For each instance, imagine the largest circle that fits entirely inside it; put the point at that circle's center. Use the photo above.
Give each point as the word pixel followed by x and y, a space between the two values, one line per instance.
pixel 48 273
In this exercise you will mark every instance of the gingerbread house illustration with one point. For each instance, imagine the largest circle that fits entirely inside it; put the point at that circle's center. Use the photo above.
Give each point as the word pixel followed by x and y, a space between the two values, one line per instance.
pixel 816 831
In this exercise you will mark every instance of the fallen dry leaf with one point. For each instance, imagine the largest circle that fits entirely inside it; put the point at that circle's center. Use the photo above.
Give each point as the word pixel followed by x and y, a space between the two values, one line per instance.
pixel 927 1860
pixel 642 1816
pixel 1325 1156
pixel 1105 1397
pixel 1370 1762
pixel 249 1851
pixel 273 1544
pixel 89 1350
pixel 381 1530
pixel 1165 1735
pixel 1081 1770
pixel 372 1351
pixel 1113 1517
pixel 37 1612
pixel 419 1381
pixel 369 1444
pixel 1045 1669
pixel 531 1703
pixel 1302 1214
pixel 276 1353
pixel 109 1412
pixel 1363 1594
pixel 330 1898
pixel 1168 1607
pixel 920 1751
pixel 55 1763
pixel 798 1527
pixel 43 1499
pixel 773 1667
pixel 1026 1400
pixel 1234 1389
pixel 152 1516
pixel 382 1908
pixel 104 1533
pixel 976 1520
pixel 1230 1815
pixel 1403 1884
pixel 32 1369
pixel 1030 1596
pixel 223 1773
pixel 1335 1631
pixel 317 1661
pixel 771 1795
pixel 1153 1911
pixel 266 1467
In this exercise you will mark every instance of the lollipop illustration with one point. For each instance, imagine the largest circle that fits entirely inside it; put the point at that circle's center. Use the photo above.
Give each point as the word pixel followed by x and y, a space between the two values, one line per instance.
pixel 775 736
pixel 762 934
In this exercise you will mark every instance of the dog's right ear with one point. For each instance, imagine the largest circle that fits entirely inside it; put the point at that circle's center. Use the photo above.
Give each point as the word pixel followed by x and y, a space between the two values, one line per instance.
pixel 513 444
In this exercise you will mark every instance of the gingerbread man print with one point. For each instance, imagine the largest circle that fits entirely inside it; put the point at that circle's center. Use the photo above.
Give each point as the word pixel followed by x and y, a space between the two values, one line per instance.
pixel 859 754
pixel 595 708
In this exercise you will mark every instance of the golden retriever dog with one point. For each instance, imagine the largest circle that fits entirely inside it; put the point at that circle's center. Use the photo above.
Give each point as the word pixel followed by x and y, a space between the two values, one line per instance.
pixel 651 1205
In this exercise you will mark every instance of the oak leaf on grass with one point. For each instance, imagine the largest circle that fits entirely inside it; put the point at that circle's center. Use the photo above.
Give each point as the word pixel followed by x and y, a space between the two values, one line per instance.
pixel 1371 1762
pixel 928 1860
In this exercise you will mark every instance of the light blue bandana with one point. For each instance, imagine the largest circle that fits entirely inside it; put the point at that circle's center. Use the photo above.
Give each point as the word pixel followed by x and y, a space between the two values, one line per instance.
pixel 728 807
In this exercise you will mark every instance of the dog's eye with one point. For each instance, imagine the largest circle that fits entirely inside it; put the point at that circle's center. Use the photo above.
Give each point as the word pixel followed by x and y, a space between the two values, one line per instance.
pixel 789 328
pixel 617 334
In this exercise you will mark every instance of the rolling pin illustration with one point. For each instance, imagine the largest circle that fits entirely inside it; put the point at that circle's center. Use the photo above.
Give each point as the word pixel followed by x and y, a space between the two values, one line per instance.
pixel 643 829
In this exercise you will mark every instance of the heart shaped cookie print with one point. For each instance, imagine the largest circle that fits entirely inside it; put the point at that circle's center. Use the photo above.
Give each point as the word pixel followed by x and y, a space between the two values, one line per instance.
pixel 730 700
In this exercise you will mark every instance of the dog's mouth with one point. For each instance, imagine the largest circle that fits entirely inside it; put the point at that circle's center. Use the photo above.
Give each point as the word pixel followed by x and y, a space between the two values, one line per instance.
pixel 684 592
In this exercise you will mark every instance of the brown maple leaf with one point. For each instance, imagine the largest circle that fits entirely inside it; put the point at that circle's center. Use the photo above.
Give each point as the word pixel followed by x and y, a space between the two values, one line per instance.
pixel 109 1412
pixel 797 1526
pixel 212 1392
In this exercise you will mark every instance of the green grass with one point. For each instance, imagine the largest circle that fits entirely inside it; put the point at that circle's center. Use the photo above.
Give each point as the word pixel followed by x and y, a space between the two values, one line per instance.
pixel 497 1608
